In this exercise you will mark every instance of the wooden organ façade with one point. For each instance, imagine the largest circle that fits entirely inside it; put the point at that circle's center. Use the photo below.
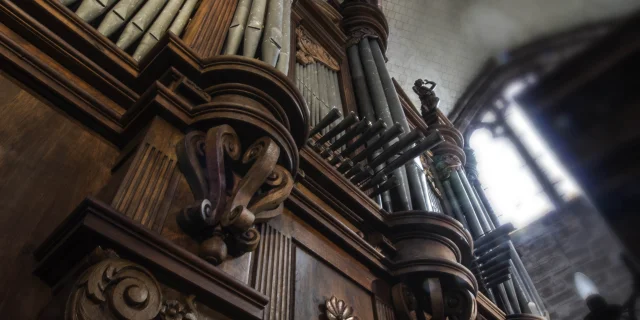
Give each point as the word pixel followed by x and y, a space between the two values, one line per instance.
pixel 224 159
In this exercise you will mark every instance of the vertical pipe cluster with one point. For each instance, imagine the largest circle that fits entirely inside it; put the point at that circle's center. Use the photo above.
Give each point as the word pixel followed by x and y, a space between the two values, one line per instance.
pixel 136 25
pixel 522 284
pixel 263 27
pixel 320 88
pixel 517 293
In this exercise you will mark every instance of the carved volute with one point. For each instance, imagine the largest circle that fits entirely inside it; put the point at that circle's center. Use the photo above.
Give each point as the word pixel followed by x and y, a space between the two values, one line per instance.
pixel 241 158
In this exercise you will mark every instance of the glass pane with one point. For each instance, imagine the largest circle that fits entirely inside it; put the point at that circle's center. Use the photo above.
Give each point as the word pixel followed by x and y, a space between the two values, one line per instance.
pixel 512 189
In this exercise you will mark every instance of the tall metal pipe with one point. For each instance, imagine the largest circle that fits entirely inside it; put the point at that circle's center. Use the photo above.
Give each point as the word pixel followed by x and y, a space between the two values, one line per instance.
pixel 254 28
pixel 140 23
pixel 117 16
pixel 397 113
pixel 465 205
pixel 183 17
pixel 89 10
pixel 474 202
pixel 401 200
pixel 313 77
pixel 237 27
pixel 285 52
pixel 157 29
pixel 528 283
pixel 487 205
pixel 425 185
pixel 455 205
pixel 272 39
pixel 363 99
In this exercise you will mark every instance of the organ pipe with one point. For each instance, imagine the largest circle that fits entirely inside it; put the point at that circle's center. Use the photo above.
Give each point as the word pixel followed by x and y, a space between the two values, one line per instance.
pixel 157 29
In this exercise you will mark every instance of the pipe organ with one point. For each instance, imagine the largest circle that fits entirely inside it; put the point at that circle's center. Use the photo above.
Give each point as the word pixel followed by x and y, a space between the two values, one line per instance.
pixel 235 159
pixel 135 25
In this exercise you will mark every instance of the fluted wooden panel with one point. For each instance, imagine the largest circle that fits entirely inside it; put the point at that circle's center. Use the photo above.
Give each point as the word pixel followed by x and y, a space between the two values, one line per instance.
pixel 208 28
pixel 140 196
pixel 384 311
pixel 273 272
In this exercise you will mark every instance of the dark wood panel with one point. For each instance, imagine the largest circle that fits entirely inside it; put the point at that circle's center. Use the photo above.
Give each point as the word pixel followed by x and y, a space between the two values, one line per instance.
pixel 48 164
pixel 315 282
pixel 274 263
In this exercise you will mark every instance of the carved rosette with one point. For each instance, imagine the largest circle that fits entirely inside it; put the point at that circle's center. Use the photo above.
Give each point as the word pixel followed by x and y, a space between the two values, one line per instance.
pixel 338 310
pixel 432 251
pixel 114 288
pixel 241 159
pixel 309 51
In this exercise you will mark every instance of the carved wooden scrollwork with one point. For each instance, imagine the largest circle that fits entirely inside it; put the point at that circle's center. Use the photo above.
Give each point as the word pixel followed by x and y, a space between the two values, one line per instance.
pixel 226 207
pixel 115 288
pixel 308 51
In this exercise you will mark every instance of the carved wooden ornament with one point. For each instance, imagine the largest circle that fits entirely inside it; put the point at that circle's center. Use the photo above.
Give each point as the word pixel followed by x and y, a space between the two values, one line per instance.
pixel 338 310
pixel 114 288
pixel 308 51
pixel 257 186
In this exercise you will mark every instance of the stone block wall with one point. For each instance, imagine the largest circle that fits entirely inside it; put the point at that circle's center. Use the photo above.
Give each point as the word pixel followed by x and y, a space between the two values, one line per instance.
pixel 572 240
pixel 448 41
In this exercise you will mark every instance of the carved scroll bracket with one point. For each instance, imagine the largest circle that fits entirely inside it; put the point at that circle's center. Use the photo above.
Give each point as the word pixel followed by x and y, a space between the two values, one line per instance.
pixel 114 288
pixel 309 51
pixel 232 192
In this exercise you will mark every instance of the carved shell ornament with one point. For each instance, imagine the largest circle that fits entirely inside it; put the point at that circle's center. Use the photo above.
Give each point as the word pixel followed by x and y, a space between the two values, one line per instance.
pixel 338 310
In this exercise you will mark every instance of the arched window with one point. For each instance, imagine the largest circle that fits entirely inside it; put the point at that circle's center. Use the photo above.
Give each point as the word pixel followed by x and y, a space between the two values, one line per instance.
pixel 521 176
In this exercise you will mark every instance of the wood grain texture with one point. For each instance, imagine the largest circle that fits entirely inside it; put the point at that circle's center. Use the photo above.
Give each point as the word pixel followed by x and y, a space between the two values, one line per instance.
pixel 384 311
pixel 48 164
pixel 208 28
pixel 315 282
pixel 274 262
pixel 147 175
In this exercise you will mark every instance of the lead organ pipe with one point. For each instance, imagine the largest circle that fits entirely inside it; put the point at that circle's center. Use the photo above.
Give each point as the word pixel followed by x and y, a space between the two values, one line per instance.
pixel 253 33
pixel 157 29
pixel 476 227
pixel 400 196
pixel 237 27
pixel 518 273
pixel 365 106
pixel 285 52
pixel 412 168
pixel 140 22
pixel 117 16
pixel 91 9
pixel 272 39
pixel 183 16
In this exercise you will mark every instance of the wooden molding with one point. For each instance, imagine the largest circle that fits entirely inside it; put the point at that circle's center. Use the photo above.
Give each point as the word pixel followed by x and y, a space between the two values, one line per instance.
pixel 95 224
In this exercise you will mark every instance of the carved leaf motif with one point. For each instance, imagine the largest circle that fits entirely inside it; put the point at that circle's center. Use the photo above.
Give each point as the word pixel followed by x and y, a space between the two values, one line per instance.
pixel 309 51
pixel 338 310
pixel 115 289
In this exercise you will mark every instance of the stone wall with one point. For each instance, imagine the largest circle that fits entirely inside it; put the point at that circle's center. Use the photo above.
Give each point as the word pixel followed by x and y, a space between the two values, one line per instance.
pixel 448 40
pixel 562 243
